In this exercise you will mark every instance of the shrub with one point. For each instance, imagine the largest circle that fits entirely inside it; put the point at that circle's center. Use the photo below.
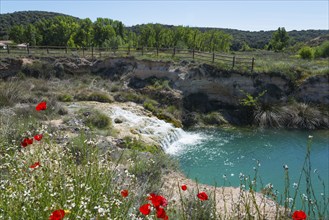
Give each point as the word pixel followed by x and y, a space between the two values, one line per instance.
pixel 150 105
pixel 94 96
pixel 322 50
pixel 65 98
pixel 213 118
pixel 98 120
pixel 12 92
pixel 134 144
pixel 100 97
pixel 306 53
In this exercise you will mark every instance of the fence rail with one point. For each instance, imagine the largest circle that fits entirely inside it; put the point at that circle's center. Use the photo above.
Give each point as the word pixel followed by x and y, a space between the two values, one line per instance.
pixel 102 52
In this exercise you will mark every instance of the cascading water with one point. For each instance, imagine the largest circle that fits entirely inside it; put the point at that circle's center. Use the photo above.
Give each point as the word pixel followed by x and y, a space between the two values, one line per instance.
pixel 169 137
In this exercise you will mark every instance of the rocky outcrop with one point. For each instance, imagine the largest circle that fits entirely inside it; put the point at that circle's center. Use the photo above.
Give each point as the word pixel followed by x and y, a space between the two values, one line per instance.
pixel 314 89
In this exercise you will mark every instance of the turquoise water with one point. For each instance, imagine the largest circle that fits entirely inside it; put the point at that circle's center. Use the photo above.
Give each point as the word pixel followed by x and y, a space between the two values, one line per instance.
pixel 221 156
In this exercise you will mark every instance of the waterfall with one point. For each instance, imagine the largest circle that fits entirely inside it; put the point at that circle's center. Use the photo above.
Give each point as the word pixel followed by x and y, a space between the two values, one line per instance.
pixel 158 130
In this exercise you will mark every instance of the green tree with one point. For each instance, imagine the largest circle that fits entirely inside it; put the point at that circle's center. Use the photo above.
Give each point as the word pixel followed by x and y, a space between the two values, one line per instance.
pixel 103 31
pixel 280 39
pixel 16 34
pixel 147 36
pixel 84 34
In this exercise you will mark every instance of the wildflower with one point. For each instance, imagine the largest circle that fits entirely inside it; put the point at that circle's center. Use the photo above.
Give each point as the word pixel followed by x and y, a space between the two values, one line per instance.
pixel 26 141
pixel 41 106
pixel 202 196
pixel 57 215
pixel 161 213
pixel 38 137
pixel 184 187
pixel 124 193
pixel 285 167
pixel 157 200
pixel 299 215
pixel 35 165
pixel 145 209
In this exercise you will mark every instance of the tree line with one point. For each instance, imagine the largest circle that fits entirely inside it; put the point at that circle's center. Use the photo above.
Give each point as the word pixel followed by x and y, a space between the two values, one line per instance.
pixel 54 29
pixel 104 32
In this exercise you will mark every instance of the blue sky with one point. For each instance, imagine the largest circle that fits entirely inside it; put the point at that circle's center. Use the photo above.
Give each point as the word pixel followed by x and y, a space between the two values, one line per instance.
pixel 242 15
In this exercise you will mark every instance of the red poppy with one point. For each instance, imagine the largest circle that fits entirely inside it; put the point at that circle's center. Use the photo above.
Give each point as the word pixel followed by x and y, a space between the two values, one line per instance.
pixel 57 215
pixel 202 196
pixel 145 209
pixel 35 165
pixel 166 217
pixel 184 187
pixel 38 137
pixel 27 141
pixel 157 200
pixel 41 106
pixel 124 193
pixel 161 213
pixel 299 215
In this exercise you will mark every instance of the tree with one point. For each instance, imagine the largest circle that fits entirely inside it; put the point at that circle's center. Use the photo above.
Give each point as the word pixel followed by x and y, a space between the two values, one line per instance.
pixel 147 36
pixel 103 31
pixel 84 34
pixel 16 34
pixel 280 39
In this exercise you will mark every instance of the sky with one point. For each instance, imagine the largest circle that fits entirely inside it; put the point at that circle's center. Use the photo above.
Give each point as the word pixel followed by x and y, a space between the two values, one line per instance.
pixel 243 15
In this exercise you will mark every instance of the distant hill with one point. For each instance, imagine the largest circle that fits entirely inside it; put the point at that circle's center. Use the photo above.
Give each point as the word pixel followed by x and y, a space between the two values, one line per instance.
pixel 255 39
pixel 23 18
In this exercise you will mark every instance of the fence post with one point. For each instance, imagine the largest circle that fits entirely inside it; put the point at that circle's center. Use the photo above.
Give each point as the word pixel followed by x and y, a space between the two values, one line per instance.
pixel 252 64
pixel 128 50
pixel 28 49
pixel 157 51
pixel 66 50
pixel 8 51
pixel 92 52
pixel 142 50
pixel 174 51
pixel 213 57
pixel 233 63
pixel 83 51
pixel 193 53
pixel 100 53
pixel 47 50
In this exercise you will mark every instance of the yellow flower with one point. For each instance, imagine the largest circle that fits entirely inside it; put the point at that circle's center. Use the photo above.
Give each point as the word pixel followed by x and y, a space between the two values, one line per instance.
pixel 67 211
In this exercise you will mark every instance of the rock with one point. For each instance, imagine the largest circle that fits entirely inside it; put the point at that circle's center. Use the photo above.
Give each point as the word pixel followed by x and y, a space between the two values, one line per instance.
pixel 118 120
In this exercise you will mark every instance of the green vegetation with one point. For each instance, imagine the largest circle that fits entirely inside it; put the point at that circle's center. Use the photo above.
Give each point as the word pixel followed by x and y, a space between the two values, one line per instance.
pixel 98 120
pixel 306 53
pixel 280 40
pixel 46 28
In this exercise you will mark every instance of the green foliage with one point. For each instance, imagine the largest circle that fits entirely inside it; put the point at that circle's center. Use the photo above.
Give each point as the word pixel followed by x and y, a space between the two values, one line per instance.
pixel 306 53
pixel 94 96
pixel 322 50
pixel 150 105
pixel 250 100
pixel 280 39
pixel 213 118
pixel 98 120
pixel 65 97
pixel 137 145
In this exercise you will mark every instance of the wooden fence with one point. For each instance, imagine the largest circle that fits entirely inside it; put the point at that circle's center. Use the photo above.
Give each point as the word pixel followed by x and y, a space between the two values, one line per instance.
pixel 97 52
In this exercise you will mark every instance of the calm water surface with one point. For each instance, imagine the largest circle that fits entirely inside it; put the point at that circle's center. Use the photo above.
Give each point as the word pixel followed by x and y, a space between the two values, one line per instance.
pixel 222 155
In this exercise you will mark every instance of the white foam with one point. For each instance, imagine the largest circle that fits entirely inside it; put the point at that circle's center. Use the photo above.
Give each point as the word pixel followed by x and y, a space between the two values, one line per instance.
pixel 171 139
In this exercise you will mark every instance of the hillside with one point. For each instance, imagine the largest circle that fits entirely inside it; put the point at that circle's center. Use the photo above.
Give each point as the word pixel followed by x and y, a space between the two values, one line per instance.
pixel 23 18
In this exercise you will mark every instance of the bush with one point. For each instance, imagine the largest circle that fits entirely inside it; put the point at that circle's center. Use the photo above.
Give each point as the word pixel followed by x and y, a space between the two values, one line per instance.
pixel 213 118
pixel 65 98
pixel 150 105
pixel 98 120
pixel 134 144
pixel 94 96
pixel 306 53
pixel 322 50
